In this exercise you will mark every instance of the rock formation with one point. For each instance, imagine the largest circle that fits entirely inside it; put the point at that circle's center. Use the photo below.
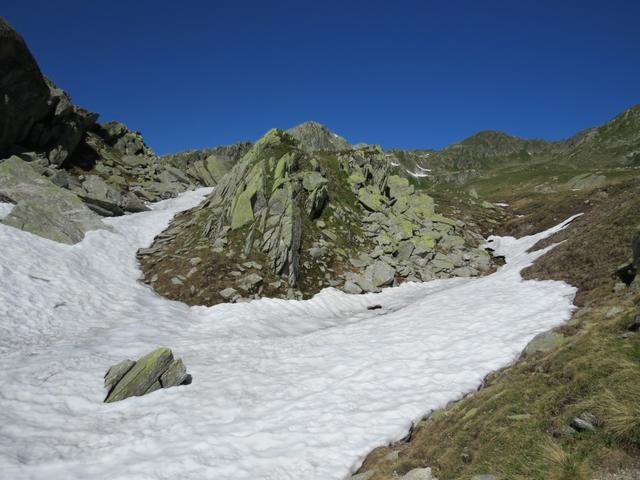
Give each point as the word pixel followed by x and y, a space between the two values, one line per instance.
pixel 107 166
pixel 315 136
pixel 289 222
pixel 149 373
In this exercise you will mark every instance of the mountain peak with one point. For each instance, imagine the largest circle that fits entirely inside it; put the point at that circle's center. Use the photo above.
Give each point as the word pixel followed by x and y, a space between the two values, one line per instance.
pixel 315 136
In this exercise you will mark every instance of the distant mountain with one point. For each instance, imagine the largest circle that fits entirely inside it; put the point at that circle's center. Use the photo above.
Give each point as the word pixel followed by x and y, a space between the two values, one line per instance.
pixel 616 143
pixel 315 136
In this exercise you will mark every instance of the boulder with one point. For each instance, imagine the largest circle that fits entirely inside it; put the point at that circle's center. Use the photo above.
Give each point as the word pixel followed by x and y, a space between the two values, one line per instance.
pixel 42 207
pixel 381 274
pixel 157 369
pixel 544 342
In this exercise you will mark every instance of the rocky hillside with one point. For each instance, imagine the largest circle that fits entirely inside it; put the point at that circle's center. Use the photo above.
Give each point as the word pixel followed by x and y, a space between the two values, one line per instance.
pixel 286 222
pixel 614 144
pixel 59 151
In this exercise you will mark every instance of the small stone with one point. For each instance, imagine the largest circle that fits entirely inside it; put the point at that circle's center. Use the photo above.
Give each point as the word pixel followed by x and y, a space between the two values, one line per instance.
pixel 351 287
pixel 254 265
pixel 195 261
pixel 176 281
pixel 250 282
pixel 229 294
pixel 419 474
pixel 584 422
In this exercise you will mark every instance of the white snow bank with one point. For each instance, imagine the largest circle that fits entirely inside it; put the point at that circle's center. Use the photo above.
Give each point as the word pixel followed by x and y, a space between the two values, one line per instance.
pixel 417 174
pixel 5 209
pixel 281 389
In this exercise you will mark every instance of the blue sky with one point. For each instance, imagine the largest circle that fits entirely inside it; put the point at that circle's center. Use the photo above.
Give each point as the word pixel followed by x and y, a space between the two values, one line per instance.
pixel 413 74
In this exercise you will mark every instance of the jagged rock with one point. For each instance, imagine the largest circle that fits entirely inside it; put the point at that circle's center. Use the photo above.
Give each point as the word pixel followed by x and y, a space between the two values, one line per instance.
pixel 115 373
pixel 209 165
pixel 342 207
pixel 175 375
pixel 151 372
pixel 42 207
pixel 315 136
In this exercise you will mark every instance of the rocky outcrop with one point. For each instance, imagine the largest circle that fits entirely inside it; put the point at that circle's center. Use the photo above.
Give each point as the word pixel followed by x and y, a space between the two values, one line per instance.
pixel 42 207
pixel 209 165
pixel 286 222
pixel 25 91
pixel 151 372
pixel 315 136
pixel 107 166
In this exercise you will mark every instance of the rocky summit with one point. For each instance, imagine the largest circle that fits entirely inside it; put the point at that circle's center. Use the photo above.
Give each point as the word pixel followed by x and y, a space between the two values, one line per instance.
pixel 288 222
pixel 315 136
pixel 106 166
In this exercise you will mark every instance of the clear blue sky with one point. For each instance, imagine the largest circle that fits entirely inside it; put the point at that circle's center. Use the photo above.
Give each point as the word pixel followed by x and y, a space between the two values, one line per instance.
pixel 400 73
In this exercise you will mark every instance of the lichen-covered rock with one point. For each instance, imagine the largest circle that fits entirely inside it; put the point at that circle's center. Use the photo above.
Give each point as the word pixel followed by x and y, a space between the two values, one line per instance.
pixel 157 369
pixel 42 207
pixel 115 373
pixel 312 220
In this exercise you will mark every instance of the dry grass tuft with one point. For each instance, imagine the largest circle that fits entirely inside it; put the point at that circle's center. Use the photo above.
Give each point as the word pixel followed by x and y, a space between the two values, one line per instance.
pixel 563 465
pixel 621 414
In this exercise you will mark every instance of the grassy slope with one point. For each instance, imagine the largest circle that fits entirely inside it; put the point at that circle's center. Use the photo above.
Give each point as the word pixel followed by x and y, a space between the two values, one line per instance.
pixel 513 426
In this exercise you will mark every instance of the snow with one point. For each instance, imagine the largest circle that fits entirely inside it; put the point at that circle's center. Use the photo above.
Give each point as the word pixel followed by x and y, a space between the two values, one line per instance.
pixel 281 389
pixel 5 209
pixel 501 204
pixel 417 174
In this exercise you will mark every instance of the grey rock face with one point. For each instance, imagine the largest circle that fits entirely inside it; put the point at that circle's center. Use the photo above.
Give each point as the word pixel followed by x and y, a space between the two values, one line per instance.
pixel 24 90
pixel 42 207
pixel 151 372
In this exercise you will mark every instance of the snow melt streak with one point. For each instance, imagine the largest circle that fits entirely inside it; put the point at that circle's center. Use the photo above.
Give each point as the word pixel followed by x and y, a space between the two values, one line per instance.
pixel 281 390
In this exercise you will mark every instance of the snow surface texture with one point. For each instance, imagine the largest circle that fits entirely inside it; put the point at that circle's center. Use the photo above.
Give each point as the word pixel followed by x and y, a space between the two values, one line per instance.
pixel 281 389
pixel 5 209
